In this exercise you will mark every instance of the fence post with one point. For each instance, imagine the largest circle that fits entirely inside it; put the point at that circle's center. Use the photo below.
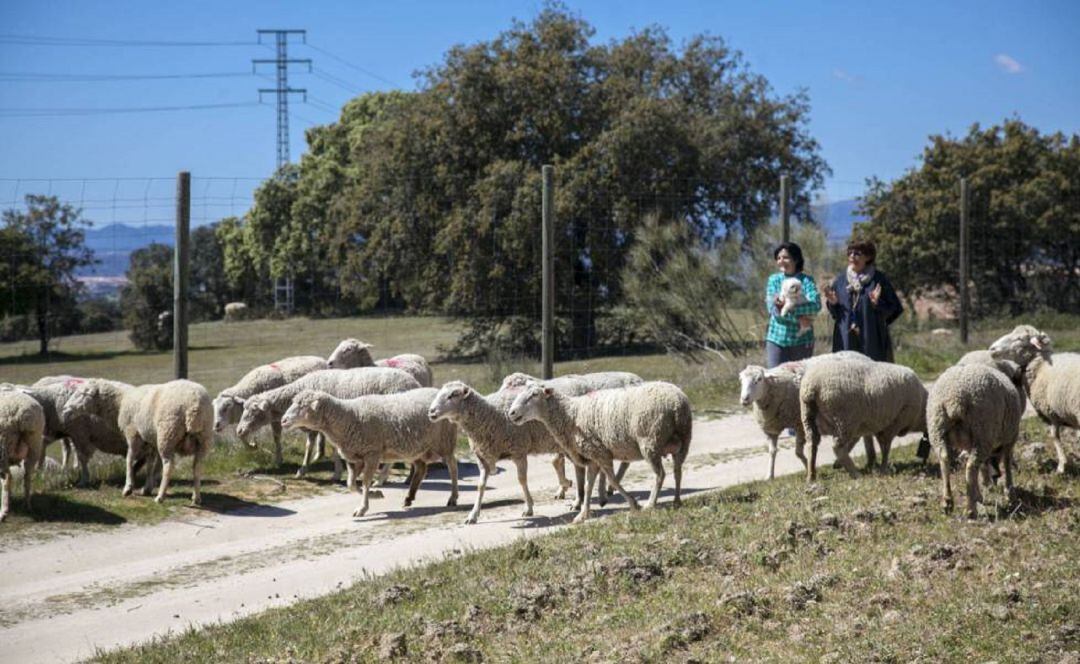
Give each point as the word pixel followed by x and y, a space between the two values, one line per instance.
pixel 548 329
pixel 784 221
pixel 180 275
pixel 964 258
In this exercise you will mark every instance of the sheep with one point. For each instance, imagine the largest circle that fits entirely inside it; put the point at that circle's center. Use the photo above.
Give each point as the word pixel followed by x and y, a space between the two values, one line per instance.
pixel 371 428
pixel 1051 380
pixel 267 407
pixel 22 424
pixel 492 436
pixel 992 471
pixel 775 397
pixel 853 399
pixel 647 421
pixel 353 353
pixel 229 403
pixel 235 311
pixel 51 396
pixel 575 385
pixel 170 418
pixel 973 408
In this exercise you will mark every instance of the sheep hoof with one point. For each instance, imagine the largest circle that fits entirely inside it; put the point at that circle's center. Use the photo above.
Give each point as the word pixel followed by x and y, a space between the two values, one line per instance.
pixel 580 518
pixel 3 516
pixel 528 512
pixel 452 502
pixel 407 503
pixel 300 473
pixel 159 499
pixel 359 511
pixel 126 492
pixel 947 506
pixel 196 501
pixel 677 502
pixel 471 519
pixel 560 494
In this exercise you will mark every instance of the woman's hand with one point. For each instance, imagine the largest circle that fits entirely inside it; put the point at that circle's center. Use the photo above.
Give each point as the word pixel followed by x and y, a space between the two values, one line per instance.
pixel 830 295
pixel 875 295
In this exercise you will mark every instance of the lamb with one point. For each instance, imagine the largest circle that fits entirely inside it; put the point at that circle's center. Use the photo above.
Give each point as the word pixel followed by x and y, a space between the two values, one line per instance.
pixel 492 436
pixel 268 407
pixel 973 408
pixel 1052 380
pixel 22 423
pixel 775 396
pixel 171 418
pixel 376 427
pixel 647 421
pixel 353 353
pixel 791 292
pixel 229 403
pixel 853 399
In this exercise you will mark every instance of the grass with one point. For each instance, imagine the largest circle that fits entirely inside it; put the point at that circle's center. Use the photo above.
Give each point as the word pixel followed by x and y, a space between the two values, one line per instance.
pixel 867 570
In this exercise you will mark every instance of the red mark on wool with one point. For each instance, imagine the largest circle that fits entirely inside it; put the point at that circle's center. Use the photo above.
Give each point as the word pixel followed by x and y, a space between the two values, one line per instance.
pixel 392 362
pixel 73 382
pixel 275 367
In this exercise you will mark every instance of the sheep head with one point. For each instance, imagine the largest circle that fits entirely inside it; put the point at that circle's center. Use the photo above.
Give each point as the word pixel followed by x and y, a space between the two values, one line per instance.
pixel 349 354
pixel 447 403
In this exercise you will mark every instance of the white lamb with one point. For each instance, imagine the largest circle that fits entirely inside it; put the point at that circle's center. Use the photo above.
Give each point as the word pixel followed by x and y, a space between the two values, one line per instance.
pixel 646 421
pixel 267 407
pixel 791 292
pixel 170 418
pixel 1052 380
pixel 370 429
pixel 353 353
pixel 775 396
pixel 22 423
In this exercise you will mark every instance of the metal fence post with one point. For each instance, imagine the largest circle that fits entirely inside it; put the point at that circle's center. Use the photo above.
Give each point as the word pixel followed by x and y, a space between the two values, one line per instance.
pixel 964 258
pixel 548 329
pixel 180 275
pixel 785 223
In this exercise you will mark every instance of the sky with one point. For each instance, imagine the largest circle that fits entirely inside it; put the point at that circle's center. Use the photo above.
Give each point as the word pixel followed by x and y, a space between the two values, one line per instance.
pixel 881 78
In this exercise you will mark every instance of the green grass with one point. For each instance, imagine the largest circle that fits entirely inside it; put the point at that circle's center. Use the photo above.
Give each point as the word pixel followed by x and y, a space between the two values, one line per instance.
pixel 866 570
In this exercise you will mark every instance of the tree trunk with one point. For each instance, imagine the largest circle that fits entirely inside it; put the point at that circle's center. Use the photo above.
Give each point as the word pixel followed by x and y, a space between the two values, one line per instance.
pixel 43 323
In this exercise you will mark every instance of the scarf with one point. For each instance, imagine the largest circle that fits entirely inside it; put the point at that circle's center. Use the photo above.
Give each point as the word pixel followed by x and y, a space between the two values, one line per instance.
pixel 856 281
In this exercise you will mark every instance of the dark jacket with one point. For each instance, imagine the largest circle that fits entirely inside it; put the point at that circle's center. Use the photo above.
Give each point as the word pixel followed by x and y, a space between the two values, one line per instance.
pixel 872 323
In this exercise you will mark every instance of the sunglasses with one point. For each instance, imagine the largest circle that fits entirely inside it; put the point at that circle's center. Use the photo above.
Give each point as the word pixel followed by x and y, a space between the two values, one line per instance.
pixel 856 253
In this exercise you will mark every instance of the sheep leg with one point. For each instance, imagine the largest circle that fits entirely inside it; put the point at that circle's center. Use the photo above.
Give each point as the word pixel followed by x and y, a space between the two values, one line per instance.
pixel 420 468
pixel 623 466
pixel 65 454
pixel 166 477
pixel 1056 428
pixel 152 465
pixel 885 442
pixel 841 447
pixel 336 477
pixel 559 463
pixel 773 446
pixel 134 451
pixel 608 469
pixel 196 478
pixel 800 445
pixel 5 488
pixel 371 465
pixel 29 463
pixel 384 473
pixel 451 465
pixel 352 477
pixel 602 492
pixel 308 458
pixel 945 460
pixel 522 464
pixel 320 446
pixel 974 462
pixel 590 479
pixel 811 470
pixel 485 470
pixel 1008 461
pixel 84 467
pixel 275 427
pixel 579 479
pixel 871 456
pixel 657 465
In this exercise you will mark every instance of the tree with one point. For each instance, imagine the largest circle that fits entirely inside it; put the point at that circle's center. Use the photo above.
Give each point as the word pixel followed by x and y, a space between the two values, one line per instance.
pixel 1025 218
pixel 45 245
pixel 148 295
pixel 209 288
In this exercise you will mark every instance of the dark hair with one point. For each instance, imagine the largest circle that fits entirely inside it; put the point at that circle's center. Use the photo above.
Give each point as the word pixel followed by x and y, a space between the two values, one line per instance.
pixel 865 247
pixel 793 250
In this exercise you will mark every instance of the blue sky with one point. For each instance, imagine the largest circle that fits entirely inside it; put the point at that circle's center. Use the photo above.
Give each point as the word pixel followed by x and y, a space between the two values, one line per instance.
pixel 881 78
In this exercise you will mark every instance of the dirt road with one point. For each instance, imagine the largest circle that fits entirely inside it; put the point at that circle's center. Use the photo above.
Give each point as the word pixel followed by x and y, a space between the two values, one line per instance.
pixel 64 599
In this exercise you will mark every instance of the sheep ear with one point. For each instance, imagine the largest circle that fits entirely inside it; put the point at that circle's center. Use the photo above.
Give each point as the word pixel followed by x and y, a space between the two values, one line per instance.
pixel 1037 343
pixel 239 401
pixel 314 405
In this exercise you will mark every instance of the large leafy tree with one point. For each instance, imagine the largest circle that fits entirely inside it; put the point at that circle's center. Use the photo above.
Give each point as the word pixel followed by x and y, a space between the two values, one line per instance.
pixel 1025 218
pixel 147 299
pixel 441 207
pixel 44 245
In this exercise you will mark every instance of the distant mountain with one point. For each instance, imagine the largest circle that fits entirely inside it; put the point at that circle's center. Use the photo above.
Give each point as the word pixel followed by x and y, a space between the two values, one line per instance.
pixel 113 244
pixel 837 218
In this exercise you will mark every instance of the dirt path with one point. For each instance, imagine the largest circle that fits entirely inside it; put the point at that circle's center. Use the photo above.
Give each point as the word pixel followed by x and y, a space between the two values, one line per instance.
pixel 64 599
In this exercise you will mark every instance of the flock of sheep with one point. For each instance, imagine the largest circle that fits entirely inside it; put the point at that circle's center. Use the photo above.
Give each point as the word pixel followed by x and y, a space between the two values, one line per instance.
pixel 973 409
pixel 372 412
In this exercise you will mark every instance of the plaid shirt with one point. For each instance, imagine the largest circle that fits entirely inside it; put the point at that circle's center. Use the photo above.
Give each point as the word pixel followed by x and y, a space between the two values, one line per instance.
pixel 784 330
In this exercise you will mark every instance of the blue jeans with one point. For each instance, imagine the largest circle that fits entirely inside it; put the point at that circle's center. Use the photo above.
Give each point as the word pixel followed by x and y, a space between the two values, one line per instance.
pixel 776 355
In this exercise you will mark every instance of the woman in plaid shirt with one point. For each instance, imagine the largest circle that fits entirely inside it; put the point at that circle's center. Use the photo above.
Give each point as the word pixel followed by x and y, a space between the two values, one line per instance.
pixel 783 340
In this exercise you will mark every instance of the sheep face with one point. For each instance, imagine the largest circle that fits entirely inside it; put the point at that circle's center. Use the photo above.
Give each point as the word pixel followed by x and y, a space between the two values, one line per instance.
pixel 227 410
pixel 1021 345
pixel 753 384
pixel 349 354
pixel 302 410
pixel 530 405
pixel 256 414
pixel 447 403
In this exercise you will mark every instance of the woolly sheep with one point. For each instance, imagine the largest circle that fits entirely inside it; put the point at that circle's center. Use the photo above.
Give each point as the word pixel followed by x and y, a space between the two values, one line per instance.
pixel 268 407
pixel 973 408
pixel 492 436
pixel 379 427
pixel 1052 380
pixel 235 311
pixel 229 403
pixel 353 353
pixel 22 423
pixel 775 398
pixel 647 421
pixel 849 400
pixel 170 418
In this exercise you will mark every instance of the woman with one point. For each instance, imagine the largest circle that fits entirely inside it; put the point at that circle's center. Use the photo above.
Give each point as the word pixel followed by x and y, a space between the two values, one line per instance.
pixel 863 304
pixel 784 341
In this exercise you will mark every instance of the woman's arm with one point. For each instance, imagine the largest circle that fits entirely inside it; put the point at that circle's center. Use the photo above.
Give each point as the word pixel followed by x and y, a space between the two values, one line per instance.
pixel 888 304
pixel 837 310
pixel 772 289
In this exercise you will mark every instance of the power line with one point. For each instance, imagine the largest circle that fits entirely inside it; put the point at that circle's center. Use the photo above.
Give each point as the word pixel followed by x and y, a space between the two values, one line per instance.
pixel 40 40
pixel 50 78
pixel 351 65
pixel 340 82
pixel 42 112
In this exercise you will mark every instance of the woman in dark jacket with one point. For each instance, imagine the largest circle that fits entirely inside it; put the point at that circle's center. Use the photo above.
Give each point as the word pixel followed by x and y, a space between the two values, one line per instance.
pixel 863 304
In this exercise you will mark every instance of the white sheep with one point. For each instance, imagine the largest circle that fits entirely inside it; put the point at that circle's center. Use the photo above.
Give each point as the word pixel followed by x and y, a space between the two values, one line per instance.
pixel 370 429
pixel 775 397
pixel 849 400
pixel 229 403
pixel 22 423
pixel 1052 380
pixel 973 408
pixel 266 408
pixel 646 421
pixel 235 311
pixel 170 418
pixel 353 353
pixel 492 436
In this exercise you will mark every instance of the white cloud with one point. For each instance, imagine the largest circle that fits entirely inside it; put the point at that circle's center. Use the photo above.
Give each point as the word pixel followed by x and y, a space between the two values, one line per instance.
pixel 1007 64
pixel 845 76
